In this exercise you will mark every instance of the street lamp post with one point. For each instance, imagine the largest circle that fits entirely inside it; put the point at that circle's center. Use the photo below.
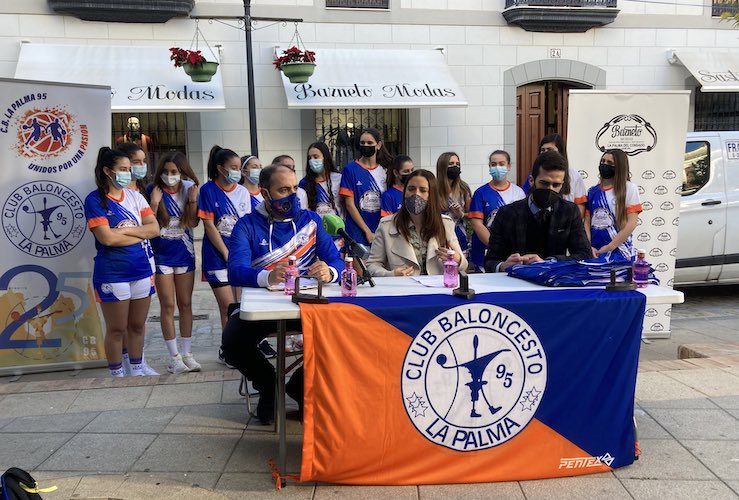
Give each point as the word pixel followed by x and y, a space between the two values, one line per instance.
pixel 250 81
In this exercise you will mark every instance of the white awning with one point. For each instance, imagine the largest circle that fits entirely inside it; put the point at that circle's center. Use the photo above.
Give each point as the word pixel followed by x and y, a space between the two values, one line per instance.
pixel 716 71
pixel 141 78
pixel 371 78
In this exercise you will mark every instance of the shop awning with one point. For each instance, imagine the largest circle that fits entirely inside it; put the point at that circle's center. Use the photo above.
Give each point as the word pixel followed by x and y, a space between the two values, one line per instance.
pixel 715 71
pixel 141 78
pixel 371 78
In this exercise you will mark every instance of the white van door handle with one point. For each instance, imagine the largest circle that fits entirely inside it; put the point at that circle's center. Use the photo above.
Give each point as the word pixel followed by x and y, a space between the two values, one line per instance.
pixel 711 202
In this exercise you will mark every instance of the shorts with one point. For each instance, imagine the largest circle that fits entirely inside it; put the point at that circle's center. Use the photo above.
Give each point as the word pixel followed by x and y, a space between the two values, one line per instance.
pixel 126 290
pixel 162 269
pixel 216 277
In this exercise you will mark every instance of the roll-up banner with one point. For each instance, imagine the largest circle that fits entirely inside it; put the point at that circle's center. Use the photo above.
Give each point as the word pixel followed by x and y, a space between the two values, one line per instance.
pixel 651 128
pixel 50 134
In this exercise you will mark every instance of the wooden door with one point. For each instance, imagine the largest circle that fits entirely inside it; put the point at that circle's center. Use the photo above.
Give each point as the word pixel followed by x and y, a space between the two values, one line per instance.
pixel 530 126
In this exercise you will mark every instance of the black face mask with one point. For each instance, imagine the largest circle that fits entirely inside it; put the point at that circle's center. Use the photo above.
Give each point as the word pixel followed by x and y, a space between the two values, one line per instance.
pixel 453 172
pixel 367 151
pixel 606 171
pixel 404 179
pixel 545 198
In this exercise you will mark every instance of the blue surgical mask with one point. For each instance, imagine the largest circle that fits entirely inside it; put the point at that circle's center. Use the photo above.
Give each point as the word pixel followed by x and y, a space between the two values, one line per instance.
pixel 122 179
pixel 139 171
pixel 233 176
pixel 254 175
pixel 498 173
pixel 288 207
pixel 316 165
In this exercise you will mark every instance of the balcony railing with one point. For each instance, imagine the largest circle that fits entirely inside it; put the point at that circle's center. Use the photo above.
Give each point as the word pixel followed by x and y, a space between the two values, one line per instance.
pixel 560 16
pixel 719 7
pixel 123 11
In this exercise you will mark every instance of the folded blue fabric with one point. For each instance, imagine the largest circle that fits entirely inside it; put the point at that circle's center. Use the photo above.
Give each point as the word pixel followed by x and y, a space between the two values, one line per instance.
pixel 590 272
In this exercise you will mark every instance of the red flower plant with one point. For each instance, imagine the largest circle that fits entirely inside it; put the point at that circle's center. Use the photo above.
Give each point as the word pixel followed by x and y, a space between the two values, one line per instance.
pixel 182 56
pixel 294 55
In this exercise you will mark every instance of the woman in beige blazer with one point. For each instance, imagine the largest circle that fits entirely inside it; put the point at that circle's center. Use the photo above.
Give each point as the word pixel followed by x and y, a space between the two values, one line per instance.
pixel 416 239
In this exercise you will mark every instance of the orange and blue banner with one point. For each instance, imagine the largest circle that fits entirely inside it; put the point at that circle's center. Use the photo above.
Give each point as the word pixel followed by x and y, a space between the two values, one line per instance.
pixel 433 389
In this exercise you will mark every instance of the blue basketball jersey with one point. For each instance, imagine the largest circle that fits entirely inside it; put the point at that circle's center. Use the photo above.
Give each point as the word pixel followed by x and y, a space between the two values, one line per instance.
pixel 224 208
pixel 392 200
pixel 365 187
pixel 603 223
pixel 323 200
pixel 174 246
pixel 119 264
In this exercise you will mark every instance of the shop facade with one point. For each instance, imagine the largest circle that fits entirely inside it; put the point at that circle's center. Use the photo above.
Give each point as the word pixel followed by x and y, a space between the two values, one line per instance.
pixel 513 83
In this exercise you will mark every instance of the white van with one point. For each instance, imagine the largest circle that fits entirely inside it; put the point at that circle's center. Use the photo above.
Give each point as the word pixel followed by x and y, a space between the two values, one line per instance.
pixel 708 235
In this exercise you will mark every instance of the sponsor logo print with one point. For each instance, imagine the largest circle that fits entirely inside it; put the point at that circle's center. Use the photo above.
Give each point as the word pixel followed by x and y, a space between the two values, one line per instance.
pixel 660 190
pixel 647 174
pixel 643 237
pixel 473 377
pixel 661 267
pixel 655 252
pixel 583 174
pixel 631 133
pixel 673 252
pixel 676 221
pixel 669 174
pixel 667 205
pixel 641 190
pixel 651 312
pixel 658 221
pixel 646 206
pixel 586 462
pixel 657 327
pixel 664 237
pixel 44 219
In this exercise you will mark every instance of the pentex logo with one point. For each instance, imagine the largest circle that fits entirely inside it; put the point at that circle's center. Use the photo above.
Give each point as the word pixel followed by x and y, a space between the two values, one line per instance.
pixel 49 136
pixel 586 462
pixel 473 377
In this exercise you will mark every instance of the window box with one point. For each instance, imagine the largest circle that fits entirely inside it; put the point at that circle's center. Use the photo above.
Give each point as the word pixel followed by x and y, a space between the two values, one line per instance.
pixel 123 11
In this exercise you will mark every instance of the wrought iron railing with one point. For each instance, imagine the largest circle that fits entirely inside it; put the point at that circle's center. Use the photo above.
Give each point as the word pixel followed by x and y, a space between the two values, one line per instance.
pixel 721 6
pixel 560 3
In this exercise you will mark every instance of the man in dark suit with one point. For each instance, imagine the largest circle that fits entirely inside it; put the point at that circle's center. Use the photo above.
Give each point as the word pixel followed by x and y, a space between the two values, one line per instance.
pixel 542 225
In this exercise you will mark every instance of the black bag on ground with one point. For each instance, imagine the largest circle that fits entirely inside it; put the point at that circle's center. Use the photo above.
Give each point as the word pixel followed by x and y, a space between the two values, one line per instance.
pixel 12 485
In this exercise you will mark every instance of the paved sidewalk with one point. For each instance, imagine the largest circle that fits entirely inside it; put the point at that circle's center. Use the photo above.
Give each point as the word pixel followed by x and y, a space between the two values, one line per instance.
pixel 187 436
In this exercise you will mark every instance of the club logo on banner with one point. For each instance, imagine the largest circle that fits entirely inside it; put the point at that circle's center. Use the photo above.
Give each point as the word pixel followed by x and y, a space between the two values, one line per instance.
pixel 631 133
pixel 44 219
pixel 473 377
pixel 50 136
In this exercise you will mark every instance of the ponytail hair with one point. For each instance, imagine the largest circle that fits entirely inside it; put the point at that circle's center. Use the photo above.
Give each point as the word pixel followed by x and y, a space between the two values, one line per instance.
pixel 218 156
pixel 106 158
pixel 383 156
pixel 129 149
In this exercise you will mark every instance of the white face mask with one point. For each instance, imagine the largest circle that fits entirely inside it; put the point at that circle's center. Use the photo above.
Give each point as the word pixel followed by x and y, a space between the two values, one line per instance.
pixel 171 180
pixel 254 175
pixel 139 171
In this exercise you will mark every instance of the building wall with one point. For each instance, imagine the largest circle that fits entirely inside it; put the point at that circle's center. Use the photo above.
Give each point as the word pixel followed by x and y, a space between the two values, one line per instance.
pixel 485 54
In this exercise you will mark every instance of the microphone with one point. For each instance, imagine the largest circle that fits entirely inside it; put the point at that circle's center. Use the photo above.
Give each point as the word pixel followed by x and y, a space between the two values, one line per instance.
pixel 334 225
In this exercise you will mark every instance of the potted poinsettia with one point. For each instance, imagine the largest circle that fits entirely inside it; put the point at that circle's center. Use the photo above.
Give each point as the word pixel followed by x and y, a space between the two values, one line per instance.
pixel 194 64
pixel 297 65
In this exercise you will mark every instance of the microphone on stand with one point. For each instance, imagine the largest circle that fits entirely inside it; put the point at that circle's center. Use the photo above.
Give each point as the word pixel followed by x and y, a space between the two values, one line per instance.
pixel 334 225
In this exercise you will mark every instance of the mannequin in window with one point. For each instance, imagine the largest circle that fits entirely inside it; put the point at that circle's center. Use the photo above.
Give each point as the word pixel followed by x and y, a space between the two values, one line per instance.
pixel 133 134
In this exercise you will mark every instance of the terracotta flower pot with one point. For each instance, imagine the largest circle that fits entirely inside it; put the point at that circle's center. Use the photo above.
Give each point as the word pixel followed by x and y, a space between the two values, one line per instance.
pixel 201 72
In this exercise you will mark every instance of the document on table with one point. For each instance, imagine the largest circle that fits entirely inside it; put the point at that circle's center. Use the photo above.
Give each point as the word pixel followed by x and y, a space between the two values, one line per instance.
pixel 435 281
pixel 305 284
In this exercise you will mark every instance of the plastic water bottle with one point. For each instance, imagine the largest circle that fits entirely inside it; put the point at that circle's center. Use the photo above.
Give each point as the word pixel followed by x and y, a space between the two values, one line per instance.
pixel 641 269
pixel 349 279
pixel 451 271
pixel 290 274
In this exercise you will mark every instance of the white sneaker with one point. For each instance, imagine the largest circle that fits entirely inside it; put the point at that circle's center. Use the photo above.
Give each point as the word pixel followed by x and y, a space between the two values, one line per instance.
pixel 126 365
pixel 176 365
pixel 137 370
pixel 118 373
pixel 190 362
pixel 148 370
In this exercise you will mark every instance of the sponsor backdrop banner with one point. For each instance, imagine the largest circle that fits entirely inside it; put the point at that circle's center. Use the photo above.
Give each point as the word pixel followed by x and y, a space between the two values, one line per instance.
pixel 650 127
pixel 49 138
pixel 504 387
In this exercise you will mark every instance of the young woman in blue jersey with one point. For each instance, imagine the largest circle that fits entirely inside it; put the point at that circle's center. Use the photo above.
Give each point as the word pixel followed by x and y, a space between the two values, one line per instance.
pixel 397 175
pixel 222 201
pixel 250 169
pixel 455 194
pixel 613 207
pixel 322 180
pixel 122 223
pixel 139 169
pixel 486 201
pixel 362 183
pixel 174 199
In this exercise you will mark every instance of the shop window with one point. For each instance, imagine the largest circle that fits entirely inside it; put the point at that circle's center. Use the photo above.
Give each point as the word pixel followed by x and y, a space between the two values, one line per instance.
pixel 156 133
pixel 696 166
pixel 716 111
pixel 359 4
pixel 340 129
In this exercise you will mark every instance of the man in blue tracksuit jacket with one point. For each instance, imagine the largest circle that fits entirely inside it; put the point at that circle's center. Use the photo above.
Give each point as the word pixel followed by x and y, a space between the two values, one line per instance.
pixel 261 243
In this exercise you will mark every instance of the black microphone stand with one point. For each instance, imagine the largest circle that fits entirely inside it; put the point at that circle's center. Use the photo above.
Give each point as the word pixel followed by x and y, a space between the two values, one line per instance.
pixel 366 277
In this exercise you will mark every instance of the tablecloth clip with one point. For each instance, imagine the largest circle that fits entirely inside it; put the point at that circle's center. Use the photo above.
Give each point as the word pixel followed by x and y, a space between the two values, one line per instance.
pixel 464 291
pixel 307 298
pixel 624 286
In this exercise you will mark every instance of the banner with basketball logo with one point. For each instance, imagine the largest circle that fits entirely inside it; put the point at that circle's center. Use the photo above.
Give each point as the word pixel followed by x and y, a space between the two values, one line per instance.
pixel 650 127
pixel 49 137
pixel 504 387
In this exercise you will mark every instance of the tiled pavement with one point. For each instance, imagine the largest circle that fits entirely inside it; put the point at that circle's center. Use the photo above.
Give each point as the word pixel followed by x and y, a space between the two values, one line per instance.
pixel 186 436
